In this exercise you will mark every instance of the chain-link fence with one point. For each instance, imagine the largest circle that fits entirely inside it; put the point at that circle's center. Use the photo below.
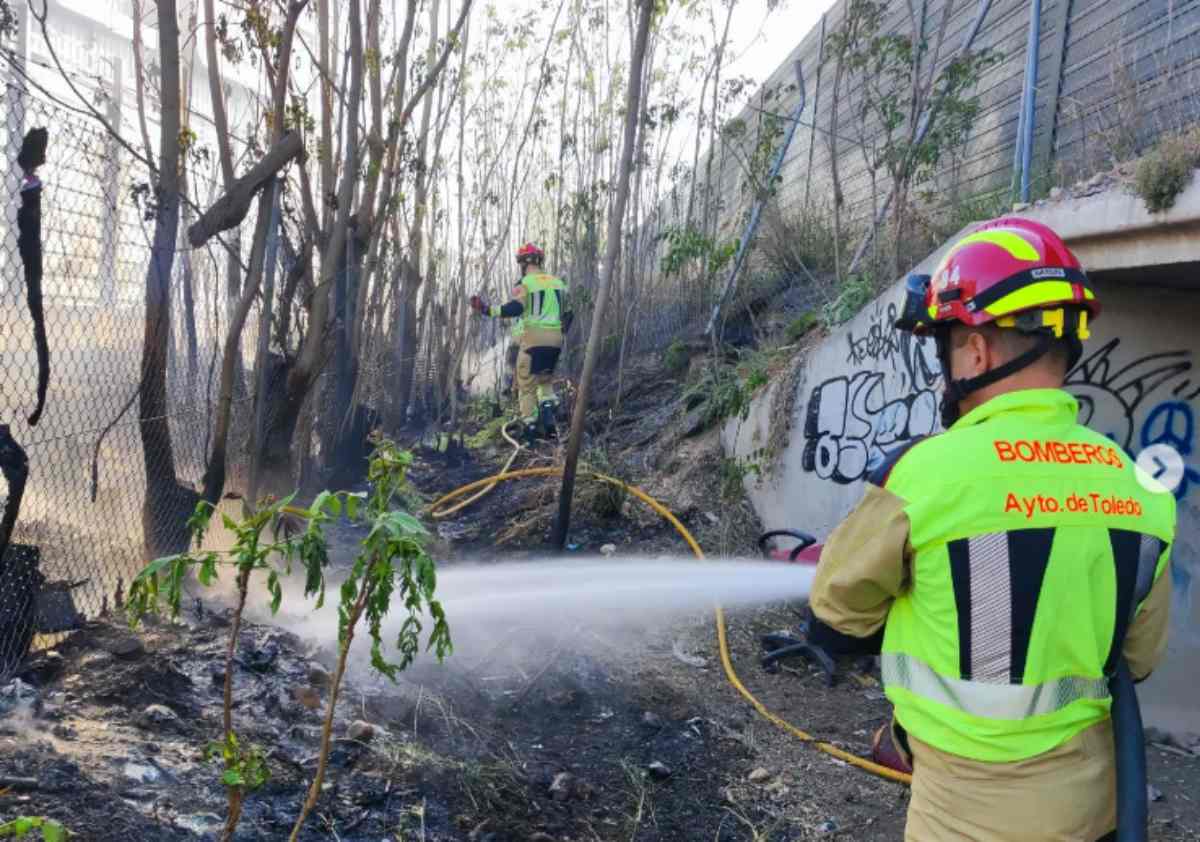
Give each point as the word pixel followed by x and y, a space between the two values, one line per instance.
pixel 80 525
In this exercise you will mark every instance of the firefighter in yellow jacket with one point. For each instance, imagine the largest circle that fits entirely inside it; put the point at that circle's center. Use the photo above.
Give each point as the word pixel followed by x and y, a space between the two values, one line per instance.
pixel 1006 569
pixel 539 304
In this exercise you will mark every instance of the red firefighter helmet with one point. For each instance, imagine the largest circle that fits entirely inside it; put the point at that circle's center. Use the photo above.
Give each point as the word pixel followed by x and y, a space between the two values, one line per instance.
pixel 1011 271
pixel 530 253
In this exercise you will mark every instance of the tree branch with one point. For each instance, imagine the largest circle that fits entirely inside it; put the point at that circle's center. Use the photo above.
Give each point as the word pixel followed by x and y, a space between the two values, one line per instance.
pixel 229 210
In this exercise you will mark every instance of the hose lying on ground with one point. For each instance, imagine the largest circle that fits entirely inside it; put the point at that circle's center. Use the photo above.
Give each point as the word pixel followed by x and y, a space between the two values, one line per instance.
pixel 488 483
pixel 437 514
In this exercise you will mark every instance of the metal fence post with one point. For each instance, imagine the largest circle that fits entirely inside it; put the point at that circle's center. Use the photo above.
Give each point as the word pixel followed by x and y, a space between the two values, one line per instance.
pixel 1060 22
pixel 816 112
pixel 264 337
pixel 1025 126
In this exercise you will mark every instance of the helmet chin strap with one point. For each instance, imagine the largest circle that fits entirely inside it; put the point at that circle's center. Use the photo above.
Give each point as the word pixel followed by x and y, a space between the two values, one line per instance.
pixel 957 390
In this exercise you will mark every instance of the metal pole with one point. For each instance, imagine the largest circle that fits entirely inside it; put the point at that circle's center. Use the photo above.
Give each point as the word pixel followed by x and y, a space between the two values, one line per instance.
pixel 264 337
pixel 1060 26
pixel 1029 97
pixel 752 227
pixel 812 136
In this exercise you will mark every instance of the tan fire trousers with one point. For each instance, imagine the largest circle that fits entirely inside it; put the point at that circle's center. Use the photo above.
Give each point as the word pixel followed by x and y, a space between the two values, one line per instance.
pixel 532 388
pixel 1065 795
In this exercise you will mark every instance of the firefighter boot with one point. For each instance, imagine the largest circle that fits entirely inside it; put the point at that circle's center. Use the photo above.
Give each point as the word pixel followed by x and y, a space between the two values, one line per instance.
pixel 547 421
pixel 530 430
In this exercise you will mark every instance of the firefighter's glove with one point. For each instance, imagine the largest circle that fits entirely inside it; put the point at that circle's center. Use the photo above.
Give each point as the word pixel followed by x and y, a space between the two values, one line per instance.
pixel 838 644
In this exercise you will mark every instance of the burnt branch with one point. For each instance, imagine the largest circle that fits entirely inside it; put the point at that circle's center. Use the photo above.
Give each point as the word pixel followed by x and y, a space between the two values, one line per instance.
pixel 229 210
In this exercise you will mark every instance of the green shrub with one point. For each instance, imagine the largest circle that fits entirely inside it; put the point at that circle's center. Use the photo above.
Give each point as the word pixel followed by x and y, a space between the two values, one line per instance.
pixel 801 243
pixel 800 325
pixel 676 357
pixel 490 434
pixel 1166 172
pixel 856 294
pixel 726 391
pixel 606 500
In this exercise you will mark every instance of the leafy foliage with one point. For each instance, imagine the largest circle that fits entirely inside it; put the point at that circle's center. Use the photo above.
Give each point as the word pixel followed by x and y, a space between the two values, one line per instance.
pixel 23 826
pixel 1167 170
pixel 676 358
pixel 801 325
pixel 726 391
pixel 280 536
pixel 687 246
pixel 245 766
pixel 856 293
pixel 886 64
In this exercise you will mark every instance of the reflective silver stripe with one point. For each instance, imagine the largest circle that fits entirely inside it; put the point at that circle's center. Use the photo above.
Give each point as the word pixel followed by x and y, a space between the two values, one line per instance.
pixel 991 608
pixel 992 701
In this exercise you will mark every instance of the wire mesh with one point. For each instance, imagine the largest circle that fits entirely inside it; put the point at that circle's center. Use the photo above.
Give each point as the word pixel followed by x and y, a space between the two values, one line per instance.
pixel 77 541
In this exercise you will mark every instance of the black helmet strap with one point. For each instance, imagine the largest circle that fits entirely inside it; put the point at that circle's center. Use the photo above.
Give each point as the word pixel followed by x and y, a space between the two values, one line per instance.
pixel 957 390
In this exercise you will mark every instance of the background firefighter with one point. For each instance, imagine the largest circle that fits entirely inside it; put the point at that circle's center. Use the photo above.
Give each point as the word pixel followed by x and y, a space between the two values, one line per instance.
pixel 1006 632
pixel 539 303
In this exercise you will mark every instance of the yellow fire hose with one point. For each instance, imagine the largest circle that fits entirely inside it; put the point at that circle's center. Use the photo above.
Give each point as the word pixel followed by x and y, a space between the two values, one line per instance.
pixel 438 514
pixel 489 483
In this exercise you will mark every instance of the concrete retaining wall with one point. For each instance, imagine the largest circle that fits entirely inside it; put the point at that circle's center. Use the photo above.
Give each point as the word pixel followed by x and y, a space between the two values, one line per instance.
pixel 866 388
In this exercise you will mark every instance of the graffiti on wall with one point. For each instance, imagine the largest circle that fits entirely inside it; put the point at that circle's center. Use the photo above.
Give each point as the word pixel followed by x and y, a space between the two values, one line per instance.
pixel 1185 571
pixel 852 421
pixel 1112 391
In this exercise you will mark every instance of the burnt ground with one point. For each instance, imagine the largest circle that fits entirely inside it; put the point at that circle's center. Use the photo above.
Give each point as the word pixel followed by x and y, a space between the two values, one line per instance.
pixel 582 734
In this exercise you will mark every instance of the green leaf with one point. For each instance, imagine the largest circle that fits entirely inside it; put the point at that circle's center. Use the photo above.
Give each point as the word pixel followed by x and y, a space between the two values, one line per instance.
pixel 153 568
pixel 208 570
pixel 21 826
pixel 275 590
pixel 233 778
pixel 17 827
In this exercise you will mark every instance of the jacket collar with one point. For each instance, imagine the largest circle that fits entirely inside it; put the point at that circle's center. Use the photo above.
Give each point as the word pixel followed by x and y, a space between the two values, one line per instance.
pixel 1035 401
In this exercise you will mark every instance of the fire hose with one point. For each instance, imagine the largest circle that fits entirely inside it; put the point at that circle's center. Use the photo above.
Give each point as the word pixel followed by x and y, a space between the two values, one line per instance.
pixel 487 484
pixel 438 513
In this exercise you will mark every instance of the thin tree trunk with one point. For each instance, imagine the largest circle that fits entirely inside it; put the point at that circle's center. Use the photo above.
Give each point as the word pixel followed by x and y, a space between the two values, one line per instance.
pixel 272 453
pixel 616 220
pixel 189 299
pixel 214 475
pixel 233 257
pixel 139 79
pixel 167 502
pixel 407 349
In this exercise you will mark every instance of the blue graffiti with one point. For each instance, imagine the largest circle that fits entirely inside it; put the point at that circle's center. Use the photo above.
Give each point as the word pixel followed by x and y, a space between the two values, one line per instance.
pixel 1173 423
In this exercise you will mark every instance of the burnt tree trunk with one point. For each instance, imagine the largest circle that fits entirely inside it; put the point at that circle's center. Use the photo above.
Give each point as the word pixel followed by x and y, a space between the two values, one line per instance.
pixel 167 504
pixel 344 443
